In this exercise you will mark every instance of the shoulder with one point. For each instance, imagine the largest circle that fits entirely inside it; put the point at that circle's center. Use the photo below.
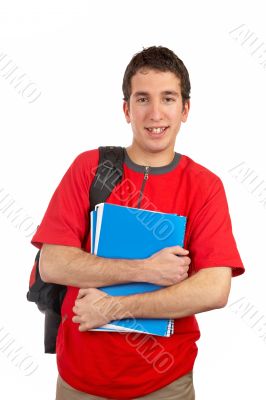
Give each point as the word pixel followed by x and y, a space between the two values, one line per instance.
pixel 88 158
pixel 197 171
pixel 85 163
pixel 201 178
pixel 82 167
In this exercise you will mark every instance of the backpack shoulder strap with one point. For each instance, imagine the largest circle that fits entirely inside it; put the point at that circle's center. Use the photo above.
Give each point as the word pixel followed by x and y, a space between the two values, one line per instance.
pixel 49 296
pixel 109 173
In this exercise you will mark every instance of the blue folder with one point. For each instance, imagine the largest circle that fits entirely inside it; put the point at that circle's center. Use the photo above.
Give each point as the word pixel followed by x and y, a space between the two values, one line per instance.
pixel 132 233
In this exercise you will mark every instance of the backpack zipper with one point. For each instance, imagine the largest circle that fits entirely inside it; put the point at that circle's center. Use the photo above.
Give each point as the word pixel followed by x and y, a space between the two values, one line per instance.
pixel 146 176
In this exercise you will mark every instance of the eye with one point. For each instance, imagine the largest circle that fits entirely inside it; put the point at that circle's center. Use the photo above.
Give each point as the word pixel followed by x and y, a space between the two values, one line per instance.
pixel 142 100
pixel 169 99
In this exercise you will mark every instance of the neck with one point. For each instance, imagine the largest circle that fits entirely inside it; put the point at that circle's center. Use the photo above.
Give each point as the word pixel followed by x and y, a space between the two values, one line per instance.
pixel 156 159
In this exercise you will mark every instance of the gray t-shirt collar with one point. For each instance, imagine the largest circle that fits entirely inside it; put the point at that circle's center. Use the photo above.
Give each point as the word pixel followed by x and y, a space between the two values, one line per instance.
pixel 153 170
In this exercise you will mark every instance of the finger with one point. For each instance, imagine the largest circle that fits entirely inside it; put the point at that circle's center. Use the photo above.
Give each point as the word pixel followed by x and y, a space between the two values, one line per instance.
pixel 183 277
pixel 185 260
pixel 82 328
pixel 76 319
pixel 178 250
pixel 184 269
pixel 81 293
pixel 75 310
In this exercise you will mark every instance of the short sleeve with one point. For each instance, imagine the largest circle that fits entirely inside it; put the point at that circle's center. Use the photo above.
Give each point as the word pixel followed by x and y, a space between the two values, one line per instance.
pixel 211 242
pixel 66 219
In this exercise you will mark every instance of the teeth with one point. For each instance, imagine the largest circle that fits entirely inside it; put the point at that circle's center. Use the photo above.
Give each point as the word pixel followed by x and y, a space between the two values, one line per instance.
pixel 156 130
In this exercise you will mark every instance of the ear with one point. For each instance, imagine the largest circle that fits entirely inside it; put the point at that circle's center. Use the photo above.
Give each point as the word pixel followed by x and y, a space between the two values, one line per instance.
pixel 126 111
pixel 185 110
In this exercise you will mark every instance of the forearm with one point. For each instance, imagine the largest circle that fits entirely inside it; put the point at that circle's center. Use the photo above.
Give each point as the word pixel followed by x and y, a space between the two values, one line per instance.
pixel 201 292
pixel 74 267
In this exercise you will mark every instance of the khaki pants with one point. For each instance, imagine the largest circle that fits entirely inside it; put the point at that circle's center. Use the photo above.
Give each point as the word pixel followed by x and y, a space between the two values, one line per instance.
pixel 181 389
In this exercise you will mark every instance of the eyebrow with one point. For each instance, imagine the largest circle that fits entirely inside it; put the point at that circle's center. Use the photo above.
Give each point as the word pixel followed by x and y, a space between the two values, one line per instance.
pixel 171 92
pixel 165 92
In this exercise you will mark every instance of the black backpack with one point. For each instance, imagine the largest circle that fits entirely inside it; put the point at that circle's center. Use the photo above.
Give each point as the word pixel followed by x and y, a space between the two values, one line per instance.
pixel 49 296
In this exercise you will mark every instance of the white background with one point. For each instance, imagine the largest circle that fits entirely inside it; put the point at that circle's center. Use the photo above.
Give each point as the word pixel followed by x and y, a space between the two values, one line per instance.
pixel 76 53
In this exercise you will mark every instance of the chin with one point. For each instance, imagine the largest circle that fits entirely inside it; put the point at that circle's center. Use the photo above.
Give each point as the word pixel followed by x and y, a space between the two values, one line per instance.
pixel 158 148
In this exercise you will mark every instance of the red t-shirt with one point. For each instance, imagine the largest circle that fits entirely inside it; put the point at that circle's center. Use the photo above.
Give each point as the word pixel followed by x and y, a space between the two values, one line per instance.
pixel 125 366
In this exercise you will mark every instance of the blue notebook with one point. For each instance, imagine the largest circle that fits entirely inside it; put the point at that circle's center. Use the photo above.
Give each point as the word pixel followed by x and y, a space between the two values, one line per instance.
pixel 129 233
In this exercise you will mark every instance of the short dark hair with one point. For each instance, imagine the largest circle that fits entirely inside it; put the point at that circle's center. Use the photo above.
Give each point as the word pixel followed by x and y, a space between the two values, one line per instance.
pixel 161 59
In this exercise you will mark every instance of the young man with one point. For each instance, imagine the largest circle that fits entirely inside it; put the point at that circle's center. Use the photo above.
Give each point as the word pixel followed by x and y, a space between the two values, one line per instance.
pixel 96 365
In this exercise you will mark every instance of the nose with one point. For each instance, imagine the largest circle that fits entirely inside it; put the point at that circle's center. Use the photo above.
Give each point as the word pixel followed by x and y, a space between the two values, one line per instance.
pixel 155 111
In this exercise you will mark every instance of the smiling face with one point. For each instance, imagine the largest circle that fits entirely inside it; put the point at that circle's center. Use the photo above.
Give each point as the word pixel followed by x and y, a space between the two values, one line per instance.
pixel 155 111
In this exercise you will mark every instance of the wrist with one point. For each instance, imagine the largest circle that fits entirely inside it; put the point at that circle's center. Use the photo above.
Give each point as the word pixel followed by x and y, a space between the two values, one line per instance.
pixel 115 308
pixel 139 270
pixel 126 307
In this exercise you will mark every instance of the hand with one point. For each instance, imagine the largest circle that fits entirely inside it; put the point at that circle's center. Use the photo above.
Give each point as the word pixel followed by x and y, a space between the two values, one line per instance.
pixel 92 309
pixel 165 268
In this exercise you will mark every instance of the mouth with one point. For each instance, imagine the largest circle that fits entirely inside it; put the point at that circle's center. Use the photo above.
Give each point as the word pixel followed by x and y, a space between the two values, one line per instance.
pixel 157 131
